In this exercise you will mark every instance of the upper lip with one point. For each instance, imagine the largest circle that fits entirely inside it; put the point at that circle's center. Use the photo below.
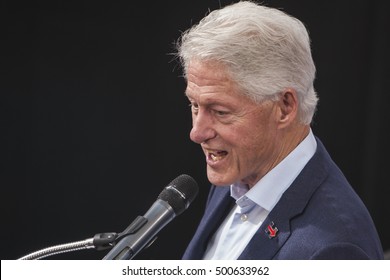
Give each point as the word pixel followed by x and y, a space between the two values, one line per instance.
pixel 213 151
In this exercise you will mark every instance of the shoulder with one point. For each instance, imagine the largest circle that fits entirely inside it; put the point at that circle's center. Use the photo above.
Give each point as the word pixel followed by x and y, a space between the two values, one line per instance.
pixel 329 219
pixel 340 251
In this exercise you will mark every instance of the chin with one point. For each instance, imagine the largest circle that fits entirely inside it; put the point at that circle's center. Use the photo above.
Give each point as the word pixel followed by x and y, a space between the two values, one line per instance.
pixel 219 179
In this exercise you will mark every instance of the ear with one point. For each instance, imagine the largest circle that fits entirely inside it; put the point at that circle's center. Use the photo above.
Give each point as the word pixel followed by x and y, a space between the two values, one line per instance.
pixel 288 106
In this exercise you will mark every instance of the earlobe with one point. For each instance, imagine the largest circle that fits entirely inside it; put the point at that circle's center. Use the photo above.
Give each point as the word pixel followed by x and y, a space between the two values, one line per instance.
pixel 288 104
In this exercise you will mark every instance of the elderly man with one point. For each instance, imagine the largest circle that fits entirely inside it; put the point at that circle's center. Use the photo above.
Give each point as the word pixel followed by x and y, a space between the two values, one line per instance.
pixel 276 193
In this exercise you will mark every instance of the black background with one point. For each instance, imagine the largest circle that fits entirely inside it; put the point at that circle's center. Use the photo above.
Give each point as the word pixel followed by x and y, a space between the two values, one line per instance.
pixel 94 122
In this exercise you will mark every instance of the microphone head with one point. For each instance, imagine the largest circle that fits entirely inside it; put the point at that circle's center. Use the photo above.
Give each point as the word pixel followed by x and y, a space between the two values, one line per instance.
pixel 180 193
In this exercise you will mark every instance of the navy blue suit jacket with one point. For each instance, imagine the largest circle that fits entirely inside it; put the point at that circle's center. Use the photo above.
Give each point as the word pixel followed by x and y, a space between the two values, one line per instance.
pixel 318 217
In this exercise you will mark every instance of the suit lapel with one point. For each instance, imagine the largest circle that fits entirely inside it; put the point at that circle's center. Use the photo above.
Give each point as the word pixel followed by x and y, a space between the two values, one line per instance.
pixel 291 204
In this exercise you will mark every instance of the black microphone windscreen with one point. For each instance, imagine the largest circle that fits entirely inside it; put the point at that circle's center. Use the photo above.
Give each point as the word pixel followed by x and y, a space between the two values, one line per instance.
pixel 180 193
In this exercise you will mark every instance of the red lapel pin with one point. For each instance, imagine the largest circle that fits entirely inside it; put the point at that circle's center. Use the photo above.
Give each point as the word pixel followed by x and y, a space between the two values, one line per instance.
pixel 271 230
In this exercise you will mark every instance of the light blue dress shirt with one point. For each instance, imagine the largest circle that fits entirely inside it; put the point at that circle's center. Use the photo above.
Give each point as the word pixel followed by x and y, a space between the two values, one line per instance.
pixel 253 205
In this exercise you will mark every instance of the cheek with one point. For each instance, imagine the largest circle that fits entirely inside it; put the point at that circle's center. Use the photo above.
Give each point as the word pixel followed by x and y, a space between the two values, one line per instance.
pixel 244 151
pixel 253 144
pixel 249 152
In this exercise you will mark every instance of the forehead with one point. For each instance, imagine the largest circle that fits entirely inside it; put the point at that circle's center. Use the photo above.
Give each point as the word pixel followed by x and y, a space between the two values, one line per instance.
pixel 207 71
pixel 210 79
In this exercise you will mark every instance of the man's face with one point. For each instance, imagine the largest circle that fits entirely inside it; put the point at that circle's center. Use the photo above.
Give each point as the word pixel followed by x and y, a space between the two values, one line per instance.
pixel 238 136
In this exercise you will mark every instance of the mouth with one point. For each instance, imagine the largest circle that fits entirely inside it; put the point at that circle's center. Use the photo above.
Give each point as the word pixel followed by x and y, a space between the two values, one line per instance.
pixel 216 156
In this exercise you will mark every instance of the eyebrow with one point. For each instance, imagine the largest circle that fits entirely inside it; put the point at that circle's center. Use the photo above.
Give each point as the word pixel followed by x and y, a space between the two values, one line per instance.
pixel 210 102
pixel 188 95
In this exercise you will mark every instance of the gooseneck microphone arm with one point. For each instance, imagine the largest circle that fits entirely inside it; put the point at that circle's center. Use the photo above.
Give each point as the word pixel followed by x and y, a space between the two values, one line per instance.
pixel 99 242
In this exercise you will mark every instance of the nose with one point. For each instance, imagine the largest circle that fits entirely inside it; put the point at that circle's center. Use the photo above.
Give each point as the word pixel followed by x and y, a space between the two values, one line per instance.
pixel 202 128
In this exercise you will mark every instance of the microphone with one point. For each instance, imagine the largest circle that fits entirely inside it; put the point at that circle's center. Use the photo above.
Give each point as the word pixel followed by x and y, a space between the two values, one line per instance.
pixel 171 202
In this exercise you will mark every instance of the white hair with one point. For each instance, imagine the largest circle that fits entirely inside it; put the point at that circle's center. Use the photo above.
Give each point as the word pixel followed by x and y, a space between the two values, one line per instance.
pixel 264 49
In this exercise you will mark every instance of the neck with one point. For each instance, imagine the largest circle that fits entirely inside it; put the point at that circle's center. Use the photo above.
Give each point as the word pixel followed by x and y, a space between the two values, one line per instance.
pixel 289 140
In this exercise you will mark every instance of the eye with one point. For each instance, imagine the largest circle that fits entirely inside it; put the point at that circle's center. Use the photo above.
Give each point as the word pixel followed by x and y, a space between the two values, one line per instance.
pixel 220 113
pixel 194 107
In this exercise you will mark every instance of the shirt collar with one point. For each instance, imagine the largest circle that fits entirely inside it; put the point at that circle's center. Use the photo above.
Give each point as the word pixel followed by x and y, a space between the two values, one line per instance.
pixel 268 190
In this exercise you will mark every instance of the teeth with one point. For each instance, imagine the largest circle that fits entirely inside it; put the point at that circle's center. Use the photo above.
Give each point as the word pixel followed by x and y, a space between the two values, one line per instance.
pixel 215 158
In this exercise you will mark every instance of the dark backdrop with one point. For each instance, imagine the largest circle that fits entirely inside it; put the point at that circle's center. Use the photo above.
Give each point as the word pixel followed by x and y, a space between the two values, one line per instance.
pixel 94 122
